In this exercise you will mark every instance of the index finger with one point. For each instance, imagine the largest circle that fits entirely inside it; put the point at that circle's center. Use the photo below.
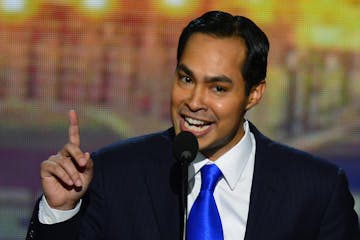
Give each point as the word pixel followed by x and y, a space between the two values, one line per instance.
pixel 74 130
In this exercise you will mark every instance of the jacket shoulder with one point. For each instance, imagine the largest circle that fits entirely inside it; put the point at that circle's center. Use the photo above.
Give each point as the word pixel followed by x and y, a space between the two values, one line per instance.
pixel 290 159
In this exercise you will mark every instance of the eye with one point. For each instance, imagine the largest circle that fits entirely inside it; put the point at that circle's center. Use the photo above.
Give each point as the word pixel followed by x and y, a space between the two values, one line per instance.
pixel 219 89
pixel 185 79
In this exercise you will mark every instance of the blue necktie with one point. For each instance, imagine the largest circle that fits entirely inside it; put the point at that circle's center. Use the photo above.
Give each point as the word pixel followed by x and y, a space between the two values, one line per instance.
pixel 204 221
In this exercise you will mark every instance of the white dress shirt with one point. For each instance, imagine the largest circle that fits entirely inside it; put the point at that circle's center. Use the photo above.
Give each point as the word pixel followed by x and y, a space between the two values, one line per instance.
pixel 48 215
pixel 232 193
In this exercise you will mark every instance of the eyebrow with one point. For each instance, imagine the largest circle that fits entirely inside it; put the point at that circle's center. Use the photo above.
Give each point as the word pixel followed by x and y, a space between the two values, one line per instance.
pixel 183 68
pixel 209 79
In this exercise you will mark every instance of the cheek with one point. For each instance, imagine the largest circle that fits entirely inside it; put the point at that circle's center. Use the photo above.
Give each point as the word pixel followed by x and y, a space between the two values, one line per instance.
pixel 173 111
pixel 176 100
pixel 174 96
pixel 229 112
pixel 223 108
pixel 178 96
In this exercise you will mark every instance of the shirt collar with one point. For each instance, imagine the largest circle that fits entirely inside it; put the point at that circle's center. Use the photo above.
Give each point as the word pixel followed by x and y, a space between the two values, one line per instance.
pixel 231 164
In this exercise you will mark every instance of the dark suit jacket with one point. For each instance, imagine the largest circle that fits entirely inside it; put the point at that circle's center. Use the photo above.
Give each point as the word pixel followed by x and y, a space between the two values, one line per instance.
pixel 135 195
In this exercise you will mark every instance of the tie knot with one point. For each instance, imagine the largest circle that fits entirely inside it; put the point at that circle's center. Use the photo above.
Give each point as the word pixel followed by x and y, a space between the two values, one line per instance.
pixel 210 175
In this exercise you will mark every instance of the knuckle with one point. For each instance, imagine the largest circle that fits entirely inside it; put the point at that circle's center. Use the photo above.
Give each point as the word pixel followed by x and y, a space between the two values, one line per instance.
pixel 62 174
pixel 47 168
pixel 68 146
pixel 70 168
pixel 53 157
pixel 46 164
pixel 66 162
pixel 74 175
pixel 72 149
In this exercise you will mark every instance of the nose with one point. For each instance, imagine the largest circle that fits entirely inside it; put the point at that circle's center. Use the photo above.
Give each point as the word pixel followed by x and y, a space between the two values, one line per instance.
pixel 197 99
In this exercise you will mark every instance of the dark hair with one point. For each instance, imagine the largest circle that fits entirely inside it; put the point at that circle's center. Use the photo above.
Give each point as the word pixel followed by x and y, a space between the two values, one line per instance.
pixel 222 24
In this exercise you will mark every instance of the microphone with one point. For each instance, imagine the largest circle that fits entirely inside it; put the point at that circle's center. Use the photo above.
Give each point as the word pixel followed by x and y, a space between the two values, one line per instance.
pixel 185 149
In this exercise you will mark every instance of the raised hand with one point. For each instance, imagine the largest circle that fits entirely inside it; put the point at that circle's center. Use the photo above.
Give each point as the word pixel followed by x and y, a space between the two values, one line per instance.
pixel 66 176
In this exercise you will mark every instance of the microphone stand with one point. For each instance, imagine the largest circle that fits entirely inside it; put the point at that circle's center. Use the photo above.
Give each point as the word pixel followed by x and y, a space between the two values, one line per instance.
pixel 185 148
pixel 184 193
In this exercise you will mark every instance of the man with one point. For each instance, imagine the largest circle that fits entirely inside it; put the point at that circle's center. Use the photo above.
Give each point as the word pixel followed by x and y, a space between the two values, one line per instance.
pixel 130 189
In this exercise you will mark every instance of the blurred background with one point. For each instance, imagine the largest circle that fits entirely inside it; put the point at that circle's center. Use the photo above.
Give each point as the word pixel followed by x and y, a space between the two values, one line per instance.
pixel 113 61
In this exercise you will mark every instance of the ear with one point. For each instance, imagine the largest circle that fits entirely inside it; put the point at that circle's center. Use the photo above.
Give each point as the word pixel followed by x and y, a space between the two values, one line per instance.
pixel 256 94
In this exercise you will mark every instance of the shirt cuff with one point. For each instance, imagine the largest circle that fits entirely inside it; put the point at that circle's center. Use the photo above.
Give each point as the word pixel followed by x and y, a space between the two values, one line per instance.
pixel 48 215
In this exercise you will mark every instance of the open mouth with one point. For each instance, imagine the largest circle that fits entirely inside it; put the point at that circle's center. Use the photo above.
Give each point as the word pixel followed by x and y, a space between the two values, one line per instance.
pixel 196 125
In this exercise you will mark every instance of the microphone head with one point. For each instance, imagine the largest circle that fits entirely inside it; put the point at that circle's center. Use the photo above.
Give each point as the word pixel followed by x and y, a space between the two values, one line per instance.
pixel 185 147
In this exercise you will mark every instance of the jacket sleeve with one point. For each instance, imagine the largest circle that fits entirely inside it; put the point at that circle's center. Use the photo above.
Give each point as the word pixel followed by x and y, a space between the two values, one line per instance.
pixel 65 230
pixel 340 220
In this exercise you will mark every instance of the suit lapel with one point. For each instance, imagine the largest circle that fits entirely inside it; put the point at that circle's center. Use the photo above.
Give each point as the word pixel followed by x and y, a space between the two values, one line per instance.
pixel 162 179
pixel 265 197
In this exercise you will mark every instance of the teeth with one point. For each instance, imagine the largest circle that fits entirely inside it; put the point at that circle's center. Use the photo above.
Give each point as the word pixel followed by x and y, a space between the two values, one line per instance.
pixel 195 124
pixel 194 121
pixel 196 128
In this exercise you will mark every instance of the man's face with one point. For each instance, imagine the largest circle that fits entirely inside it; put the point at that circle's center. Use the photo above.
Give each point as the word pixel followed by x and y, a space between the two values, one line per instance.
pixel 208 93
